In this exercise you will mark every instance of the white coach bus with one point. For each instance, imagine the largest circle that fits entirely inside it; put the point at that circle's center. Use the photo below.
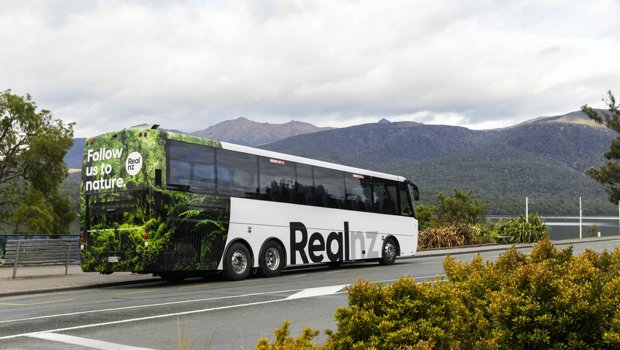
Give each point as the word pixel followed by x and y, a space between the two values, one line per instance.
pixel 174 205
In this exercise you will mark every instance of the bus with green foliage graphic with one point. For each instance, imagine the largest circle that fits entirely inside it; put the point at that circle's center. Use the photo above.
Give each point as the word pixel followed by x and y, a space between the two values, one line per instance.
pixel 175 205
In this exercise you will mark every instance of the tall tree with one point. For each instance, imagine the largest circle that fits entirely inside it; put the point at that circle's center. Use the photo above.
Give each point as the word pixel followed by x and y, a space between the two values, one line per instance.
pixel 32 150
pixel 608 174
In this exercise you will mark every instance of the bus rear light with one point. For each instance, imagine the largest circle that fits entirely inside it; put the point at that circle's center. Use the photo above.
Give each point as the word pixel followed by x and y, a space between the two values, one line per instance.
pixel 82 238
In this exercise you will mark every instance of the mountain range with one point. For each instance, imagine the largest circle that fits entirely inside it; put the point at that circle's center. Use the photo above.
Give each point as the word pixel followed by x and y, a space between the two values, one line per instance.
pixel 249 133
pixel 543 159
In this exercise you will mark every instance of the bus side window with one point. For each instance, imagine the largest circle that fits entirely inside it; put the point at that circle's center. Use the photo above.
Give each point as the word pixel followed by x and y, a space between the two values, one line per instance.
pixel 304 186
pixel 385 196
pixel 357 197
pixel 277 178
pixel 179 172
pixel 203 177
pixel 191 165
pixel 329 187
pixel 237 174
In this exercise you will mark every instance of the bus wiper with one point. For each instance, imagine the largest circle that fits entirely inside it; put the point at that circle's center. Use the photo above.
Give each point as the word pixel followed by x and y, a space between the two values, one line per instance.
pixel 179 187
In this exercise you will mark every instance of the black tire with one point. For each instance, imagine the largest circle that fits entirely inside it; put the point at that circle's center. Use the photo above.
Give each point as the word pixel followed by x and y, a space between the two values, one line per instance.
pixel 272 259
pixel 388 252
pixel 237 262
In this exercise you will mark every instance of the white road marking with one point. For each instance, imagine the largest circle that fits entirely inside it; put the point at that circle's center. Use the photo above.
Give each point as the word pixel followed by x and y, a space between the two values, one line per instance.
pixel 91 343
pixel 129 320
pixel 317 292
pixel 145 306
pixel 311 292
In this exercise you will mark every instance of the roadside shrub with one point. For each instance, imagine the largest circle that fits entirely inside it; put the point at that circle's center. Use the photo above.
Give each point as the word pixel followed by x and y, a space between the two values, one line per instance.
pixel 453 235
pixel 284 340
pixel 437 237
pixel 520 231
pixel 549 299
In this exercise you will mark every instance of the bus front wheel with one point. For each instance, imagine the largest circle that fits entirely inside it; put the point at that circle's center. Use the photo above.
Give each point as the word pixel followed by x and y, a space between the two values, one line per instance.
pixel 272 259
pixel 237 263
pixel 390 250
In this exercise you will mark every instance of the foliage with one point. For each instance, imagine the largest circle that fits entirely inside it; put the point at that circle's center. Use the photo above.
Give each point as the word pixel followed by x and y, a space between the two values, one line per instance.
pixel 453 235
pixel 521 231
pixel 462 208
pixel 608 174
pixel 32 147
pixel 549 299
pixel 426 216
pixel 285 341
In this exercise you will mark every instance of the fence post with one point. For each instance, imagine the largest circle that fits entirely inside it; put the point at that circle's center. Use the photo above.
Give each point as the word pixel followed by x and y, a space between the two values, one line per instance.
pixel 19 241
pixel 68 256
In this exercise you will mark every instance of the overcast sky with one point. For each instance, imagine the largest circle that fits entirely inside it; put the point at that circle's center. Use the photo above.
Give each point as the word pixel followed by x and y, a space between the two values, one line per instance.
pixel 186 65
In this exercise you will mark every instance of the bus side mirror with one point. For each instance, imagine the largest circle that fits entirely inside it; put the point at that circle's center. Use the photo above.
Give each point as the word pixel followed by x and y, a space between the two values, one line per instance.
pixel 416 193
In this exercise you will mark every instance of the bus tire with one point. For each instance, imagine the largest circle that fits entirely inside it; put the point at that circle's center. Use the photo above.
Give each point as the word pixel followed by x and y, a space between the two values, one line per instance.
pixel 237 262
pixel 272 259
pixel 388 252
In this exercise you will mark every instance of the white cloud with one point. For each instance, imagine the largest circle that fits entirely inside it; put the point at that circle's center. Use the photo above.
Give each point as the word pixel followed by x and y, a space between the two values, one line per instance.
pixel 189 64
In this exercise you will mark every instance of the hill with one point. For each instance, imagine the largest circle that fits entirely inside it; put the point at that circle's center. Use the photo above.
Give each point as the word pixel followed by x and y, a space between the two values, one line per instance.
pixel 73 158
pixel 249 133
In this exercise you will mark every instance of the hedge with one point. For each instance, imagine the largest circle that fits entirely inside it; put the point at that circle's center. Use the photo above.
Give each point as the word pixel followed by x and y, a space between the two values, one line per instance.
pixel 549 299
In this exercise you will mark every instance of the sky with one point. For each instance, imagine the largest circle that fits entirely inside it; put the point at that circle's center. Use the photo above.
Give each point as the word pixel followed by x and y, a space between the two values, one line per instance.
pixel 187 65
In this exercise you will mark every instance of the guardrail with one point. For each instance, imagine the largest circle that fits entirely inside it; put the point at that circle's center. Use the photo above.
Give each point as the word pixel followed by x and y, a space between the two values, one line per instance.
pixel 40 252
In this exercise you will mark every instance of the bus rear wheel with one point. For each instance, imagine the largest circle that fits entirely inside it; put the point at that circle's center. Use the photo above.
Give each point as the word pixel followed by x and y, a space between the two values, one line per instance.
pixel 272 259
pixel 237 262
pixel 390 250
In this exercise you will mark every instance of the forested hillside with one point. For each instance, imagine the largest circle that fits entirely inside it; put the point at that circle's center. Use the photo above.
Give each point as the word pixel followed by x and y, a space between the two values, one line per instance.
pixel 543 159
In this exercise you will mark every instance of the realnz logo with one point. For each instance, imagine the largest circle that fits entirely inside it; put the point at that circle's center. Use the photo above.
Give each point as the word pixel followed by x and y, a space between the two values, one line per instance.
pixel 336 247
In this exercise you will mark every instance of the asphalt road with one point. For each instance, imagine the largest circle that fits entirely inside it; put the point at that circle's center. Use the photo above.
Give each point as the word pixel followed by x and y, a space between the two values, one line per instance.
pixel 204 314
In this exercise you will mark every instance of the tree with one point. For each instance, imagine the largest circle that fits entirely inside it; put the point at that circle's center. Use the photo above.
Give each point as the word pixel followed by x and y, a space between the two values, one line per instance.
pixel 608 174
pixel 461 208
pixel 32 150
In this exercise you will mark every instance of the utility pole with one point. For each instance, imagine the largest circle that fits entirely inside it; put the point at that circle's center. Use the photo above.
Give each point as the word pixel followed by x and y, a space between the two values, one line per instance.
pixel 527 210
pixel 580 219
